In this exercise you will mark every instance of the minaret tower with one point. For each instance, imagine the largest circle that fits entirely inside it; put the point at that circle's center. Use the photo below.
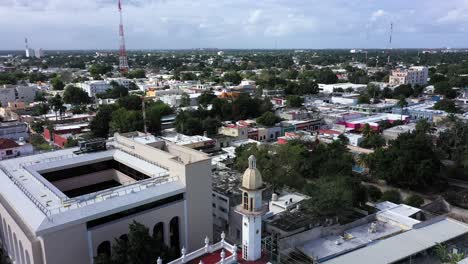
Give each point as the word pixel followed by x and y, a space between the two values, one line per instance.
pixel 252 211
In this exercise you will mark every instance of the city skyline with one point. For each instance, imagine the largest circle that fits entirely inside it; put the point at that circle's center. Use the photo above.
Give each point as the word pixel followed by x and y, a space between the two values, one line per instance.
pixel 179 24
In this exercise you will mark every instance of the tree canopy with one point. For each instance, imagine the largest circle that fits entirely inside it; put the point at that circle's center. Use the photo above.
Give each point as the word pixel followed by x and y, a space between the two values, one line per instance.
pixel 75 96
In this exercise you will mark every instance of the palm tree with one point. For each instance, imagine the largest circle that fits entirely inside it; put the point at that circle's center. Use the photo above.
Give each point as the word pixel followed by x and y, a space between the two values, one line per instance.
pixel 402 103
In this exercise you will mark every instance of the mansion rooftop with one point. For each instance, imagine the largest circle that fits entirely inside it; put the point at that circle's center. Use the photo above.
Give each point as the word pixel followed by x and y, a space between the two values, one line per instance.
pixel 57 188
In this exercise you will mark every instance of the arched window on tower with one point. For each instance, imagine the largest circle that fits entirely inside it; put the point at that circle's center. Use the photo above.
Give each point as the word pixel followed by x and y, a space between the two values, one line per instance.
pixel 246 201
pixel 174 234
pixel 158 232
pixel 104 248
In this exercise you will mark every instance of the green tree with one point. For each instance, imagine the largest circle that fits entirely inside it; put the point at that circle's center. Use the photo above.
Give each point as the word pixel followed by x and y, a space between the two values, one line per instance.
pixel 154 113
pixel 446 105
pixel 410 161
pixel 268 119
pixel 71 142
pixel 294 101
pixel 206 98
pixel 414 200
pixel 56 104
pixel 391 196
pixel 423 126
pixel 363 99
pixel 57 83
pixel 232 77
pixel 124 121
pixel 99 125
pixel 130 102
pixel 136 74
pixel 333 196
pixel 211 125
pixel 75 96
pixel 185 100
pixel 326 76
pixel 373 193
pixel 99 69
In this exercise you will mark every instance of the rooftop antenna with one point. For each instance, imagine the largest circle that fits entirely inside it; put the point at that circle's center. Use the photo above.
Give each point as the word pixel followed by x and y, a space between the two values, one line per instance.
pixel 123 62
pixel 390 42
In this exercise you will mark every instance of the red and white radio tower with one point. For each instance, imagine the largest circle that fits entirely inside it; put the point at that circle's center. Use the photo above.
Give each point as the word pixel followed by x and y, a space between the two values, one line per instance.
pixel 123 63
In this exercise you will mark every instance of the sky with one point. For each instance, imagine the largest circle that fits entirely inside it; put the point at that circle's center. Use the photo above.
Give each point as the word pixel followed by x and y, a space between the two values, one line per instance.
pixel 234 24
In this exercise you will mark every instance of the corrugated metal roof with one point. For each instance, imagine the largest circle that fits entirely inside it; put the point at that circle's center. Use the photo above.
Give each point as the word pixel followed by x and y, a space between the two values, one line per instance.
pixel 406 244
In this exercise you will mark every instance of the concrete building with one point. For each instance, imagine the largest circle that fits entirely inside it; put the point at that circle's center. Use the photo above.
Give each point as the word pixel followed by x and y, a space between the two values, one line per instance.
pixel 94 87
pixel 17 93
pixel 412 76
pixel 393 132
pixel 330 88
pixel 420 111
pixel 60 207
pixel 14 130
pixel 39 53
pixel 10 149
pixel 347 99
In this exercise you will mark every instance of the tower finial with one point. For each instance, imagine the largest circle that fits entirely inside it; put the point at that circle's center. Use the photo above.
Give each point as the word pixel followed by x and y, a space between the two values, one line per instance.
pixel 252 162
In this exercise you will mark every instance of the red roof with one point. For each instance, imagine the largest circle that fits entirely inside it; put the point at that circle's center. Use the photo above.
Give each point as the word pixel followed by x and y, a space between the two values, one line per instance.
pixel 215 257
pixel 6 143
pixel 329 132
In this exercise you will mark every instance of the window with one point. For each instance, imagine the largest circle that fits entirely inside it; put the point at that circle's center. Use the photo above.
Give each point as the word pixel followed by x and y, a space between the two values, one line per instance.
pixel 214 205
pixel 244 252
pixel 9 152
pixel 246 201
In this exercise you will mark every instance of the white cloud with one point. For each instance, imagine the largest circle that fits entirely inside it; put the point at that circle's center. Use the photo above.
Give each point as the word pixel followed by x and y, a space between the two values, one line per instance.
pixel 377 14
pixel 241 23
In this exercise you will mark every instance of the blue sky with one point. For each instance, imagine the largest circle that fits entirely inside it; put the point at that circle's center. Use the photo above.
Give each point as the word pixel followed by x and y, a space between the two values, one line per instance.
pixel 177 24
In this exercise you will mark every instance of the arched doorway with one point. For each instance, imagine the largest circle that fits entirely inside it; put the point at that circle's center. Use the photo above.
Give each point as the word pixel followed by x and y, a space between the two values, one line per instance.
pixel 174 234
pixel 158 232
pixel 104 248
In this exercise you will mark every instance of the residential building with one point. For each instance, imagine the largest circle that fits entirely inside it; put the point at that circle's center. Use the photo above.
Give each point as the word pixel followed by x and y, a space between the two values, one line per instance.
pixel 94 87
pixel 393 132
pixel 346 99
pixel 420 111
pixel 375 120
pixel 194 142
pixel 92 197
pixel 330 88
pixel 373 108
pixel 413 75
pixel 17 93
pixel 11 149
pixel 14 130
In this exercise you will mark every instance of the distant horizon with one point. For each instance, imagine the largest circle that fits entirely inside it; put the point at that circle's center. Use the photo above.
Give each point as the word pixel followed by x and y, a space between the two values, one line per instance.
pixel 245 49
pixel 242 24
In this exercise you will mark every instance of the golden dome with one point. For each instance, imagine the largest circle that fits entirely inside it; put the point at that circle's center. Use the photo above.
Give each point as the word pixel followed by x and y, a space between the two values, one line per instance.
pixel 252 178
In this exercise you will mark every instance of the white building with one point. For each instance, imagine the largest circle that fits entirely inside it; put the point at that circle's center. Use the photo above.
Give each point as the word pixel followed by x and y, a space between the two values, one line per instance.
pixel 94 87
pixel 39 53
pixel 330 88
pixel 414 75
pixel 60 207
pixel 121 81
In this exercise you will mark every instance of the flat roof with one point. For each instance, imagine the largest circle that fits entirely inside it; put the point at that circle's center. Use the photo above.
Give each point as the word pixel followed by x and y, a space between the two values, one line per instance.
pixel 401 246
pixel 41 205
pixel 331 246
